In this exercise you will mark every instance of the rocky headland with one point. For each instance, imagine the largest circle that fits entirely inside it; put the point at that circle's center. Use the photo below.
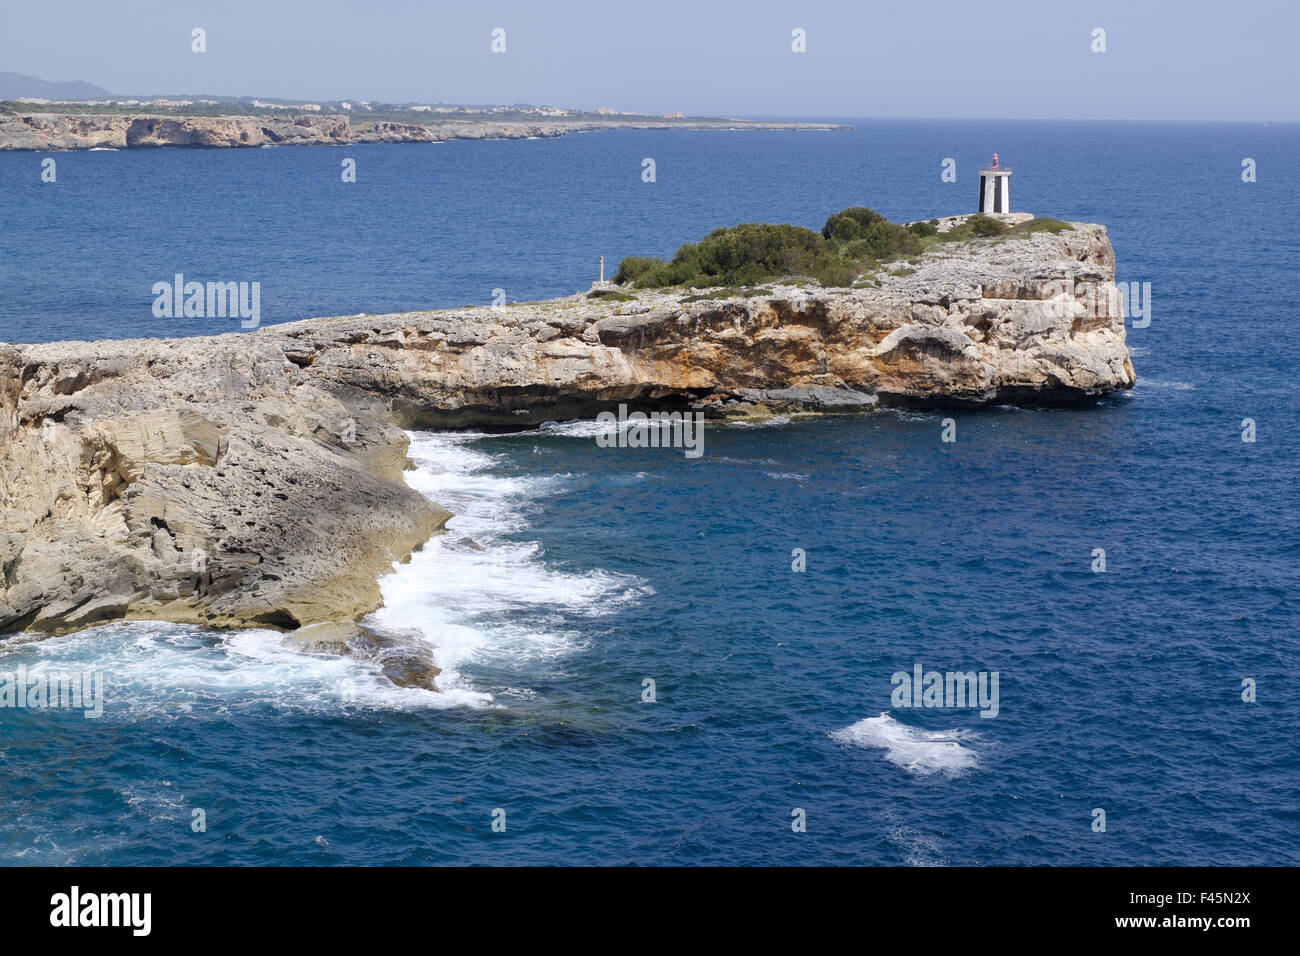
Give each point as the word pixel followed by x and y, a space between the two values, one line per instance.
pixel 66 131
pixel 256 478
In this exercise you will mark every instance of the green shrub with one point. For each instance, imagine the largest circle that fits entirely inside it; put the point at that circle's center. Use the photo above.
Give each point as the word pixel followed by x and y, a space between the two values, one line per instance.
pixel 832 270
pixel 858 249
pixel 849 224
pixel 982 225
pixel 853 241
pixel 736 256
pixel 635 266
pixel 889 240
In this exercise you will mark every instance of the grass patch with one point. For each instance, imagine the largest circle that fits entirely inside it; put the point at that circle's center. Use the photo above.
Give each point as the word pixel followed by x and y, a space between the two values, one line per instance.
pixel 728 293
pixel 981 226
pixel 1054 226
pixel 978 226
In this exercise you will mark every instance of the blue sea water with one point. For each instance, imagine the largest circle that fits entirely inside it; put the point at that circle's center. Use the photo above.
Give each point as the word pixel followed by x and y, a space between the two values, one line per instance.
pixel 1119 691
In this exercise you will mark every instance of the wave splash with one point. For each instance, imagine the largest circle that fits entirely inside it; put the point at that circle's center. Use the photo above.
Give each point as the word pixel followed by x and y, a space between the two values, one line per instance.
pixel 482 598
pixel 918 751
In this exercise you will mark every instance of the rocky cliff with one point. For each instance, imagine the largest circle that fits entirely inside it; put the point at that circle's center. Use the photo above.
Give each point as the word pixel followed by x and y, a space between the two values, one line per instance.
pixel 56 131
pixel 49 131
pixel 256 478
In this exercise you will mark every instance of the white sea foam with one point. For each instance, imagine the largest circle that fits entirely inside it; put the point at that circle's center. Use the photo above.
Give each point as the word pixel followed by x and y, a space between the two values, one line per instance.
pixel 156 669
pixel 591 428
pixel 503 607
pixel 776 421
pixel 911 415
pixel 579 428
pixel 916 750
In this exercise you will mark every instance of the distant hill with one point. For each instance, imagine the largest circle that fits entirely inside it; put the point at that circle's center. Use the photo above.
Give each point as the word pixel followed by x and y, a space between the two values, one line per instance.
pixel 14 85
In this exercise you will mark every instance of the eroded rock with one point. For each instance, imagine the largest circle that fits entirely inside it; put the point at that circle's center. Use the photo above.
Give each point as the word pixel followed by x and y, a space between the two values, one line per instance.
pixel 257 478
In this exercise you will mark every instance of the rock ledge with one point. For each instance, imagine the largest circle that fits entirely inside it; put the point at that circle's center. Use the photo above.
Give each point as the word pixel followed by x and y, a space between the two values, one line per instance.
pixel 256 479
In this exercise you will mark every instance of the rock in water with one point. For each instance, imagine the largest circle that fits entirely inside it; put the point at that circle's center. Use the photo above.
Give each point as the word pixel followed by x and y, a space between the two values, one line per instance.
pixel 405 659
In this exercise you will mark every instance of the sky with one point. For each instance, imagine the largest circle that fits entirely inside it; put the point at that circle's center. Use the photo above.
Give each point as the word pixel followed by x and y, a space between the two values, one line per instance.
pixel 1163 59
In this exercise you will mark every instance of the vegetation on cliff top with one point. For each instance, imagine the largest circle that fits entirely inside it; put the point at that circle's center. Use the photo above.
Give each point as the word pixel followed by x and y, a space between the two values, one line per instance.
pixel 854 242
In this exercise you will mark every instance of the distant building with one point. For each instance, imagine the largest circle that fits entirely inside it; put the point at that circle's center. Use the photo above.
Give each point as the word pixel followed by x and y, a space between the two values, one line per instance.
pixel 674 116
pixel 606 111
pixel 346 105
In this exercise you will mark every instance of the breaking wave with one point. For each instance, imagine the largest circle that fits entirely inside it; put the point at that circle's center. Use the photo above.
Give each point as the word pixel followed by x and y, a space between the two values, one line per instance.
pixel 918 751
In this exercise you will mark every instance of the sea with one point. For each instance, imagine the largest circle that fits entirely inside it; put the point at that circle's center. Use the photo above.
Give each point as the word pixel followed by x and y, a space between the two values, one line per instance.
pixel 659 659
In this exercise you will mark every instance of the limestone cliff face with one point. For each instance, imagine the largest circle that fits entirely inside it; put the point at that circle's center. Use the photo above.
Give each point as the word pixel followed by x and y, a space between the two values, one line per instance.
pixel 77 131
pixel 216 486
pixel 55 131
pixel 256 478
pixel 46 132
pixel 1031 320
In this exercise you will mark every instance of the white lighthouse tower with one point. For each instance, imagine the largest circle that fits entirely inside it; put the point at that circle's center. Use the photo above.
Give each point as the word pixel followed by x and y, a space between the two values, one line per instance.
pixel 995 188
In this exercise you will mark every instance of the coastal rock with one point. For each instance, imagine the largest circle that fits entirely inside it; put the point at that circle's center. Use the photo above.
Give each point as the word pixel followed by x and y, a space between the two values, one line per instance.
pixel 49 131
pixel 59 131
pixel 257 478
pixel 405 659
pixel 218 486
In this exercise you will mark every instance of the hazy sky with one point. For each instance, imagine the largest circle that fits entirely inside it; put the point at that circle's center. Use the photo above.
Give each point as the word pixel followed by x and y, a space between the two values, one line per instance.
pixel 1007 58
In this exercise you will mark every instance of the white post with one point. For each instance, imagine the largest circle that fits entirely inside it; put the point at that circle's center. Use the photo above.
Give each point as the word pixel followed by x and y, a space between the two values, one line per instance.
pixel 602 268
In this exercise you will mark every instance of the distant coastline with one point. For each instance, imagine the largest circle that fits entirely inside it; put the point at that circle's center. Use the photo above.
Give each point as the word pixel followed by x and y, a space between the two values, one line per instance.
pixel 69 126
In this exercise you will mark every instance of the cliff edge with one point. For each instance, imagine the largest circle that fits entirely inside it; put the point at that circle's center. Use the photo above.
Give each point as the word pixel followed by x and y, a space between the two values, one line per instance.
pixel 68 131
pixel 257 478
